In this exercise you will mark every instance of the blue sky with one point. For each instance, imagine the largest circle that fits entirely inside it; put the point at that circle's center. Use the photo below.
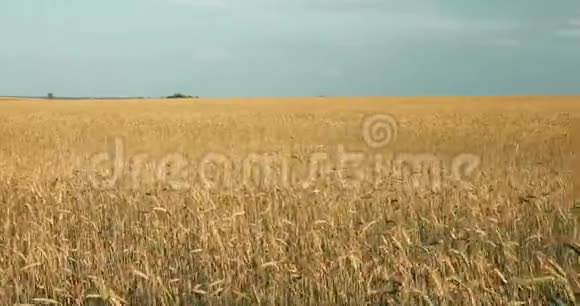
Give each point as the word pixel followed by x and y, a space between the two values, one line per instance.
pixel 289 47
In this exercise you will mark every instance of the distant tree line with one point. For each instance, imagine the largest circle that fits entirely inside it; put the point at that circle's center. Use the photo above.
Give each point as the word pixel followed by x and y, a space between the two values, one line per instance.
pixel 50 96
pixel 181 96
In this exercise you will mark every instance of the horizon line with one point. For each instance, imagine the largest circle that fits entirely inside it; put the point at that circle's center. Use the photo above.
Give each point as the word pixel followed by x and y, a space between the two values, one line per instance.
pixel 283 97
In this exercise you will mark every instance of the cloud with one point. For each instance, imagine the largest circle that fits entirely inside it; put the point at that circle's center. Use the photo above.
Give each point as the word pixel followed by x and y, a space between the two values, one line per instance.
pixel 211 54
pixel 284 4
pixel 395 16
pixel 211 4
pixel 498 42
pixel 332 72
pixel 353 23
pixel 507 42
pixel 574 22
pixel 569 32
pixel 572 28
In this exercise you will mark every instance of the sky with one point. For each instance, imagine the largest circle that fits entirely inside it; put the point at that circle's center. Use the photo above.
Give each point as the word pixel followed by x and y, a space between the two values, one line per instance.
pixel 227 48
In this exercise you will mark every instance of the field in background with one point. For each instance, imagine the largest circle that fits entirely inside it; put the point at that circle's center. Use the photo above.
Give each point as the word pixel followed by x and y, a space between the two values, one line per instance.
pixel 507 235
pixel 576 148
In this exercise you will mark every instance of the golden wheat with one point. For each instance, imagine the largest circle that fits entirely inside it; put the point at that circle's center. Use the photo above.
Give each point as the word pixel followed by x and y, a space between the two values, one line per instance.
pixel 505 237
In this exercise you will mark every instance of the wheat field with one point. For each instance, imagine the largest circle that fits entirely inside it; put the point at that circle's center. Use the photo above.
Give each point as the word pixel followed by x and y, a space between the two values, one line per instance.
pixel 74 231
